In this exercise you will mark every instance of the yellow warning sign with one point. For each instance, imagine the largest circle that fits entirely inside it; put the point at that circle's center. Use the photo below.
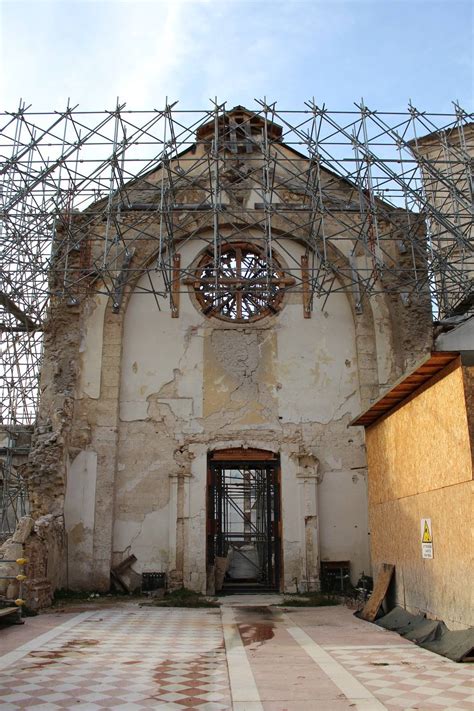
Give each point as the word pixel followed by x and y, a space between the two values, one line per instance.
pixel 426 538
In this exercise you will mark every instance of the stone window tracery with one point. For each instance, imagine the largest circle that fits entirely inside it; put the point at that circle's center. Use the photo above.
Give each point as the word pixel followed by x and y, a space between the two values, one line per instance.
pixel 243 286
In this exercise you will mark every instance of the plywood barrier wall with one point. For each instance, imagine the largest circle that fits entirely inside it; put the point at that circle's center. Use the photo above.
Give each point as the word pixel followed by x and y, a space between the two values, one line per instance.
pixel 420 466
pixel 424 445
pixel 468 374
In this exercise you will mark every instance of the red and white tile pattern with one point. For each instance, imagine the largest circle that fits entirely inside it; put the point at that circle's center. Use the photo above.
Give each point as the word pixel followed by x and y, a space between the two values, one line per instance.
pixel 129 660
pixel 409 677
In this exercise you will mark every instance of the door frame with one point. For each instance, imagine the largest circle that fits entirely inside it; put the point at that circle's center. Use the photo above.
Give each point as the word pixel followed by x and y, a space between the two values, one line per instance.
pixel 243 455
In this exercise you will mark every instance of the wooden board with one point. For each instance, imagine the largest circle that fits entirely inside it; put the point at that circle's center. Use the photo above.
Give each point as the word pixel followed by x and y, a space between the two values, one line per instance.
pixel 8 611
pixel 116 573
pixel 125 564
pixel 437 364
pixel 372 605
pixel 238 454
pixel 306 289
pixel 175 286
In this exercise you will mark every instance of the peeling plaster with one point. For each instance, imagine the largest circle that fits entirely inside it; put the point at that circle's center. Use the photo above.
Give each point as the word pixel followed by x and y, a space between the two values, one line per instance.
pixel 91 347
pixel 145 540
pixel 79 515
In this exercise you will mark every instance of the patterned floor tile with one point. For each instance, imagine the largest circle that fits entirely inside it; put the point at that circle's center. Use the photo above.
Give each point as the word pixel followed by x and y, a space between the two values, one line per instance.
pixel 128 661
pixel 174 660
pixel 410 677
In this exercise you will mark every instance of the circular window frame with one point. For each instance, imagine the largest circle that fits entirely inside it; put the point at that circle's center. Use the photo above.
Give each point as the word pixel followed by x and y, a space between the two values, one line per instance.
pixel 205 305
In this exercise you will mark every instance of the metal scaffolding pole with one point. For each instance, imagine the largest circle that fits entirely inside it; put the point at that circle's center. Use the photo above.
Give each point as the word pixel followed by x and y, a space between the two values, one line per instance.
pixel 82 191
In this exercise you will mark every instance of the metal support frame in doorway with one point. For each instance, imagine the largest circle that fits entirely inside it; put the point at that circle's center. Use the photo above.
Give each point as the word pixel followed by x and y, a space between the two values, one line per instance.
pixel 244 520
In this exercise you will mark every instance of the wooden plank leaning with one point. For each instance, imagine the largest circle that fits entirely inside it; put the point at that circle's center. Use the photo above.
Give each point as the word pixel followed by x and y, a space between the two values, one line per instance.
pixel 374 602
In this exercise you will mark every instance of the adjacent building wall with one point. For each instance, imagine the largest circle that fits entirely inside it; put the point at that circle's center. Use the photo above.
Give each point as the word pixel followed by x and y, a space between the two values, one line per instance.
pixel 444 158
pixel 421 466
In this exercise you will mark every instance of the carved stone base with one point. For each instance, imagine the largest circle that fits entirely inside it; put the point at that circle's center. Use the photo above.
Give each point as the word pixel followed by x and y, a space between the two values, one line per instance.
pixel 39 594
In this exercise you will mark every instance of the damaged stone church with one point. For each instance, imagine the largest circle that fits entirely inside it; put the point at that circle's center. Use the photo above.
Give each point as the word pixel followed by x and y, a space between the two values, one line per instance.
pixel 196 393
pixel 212 423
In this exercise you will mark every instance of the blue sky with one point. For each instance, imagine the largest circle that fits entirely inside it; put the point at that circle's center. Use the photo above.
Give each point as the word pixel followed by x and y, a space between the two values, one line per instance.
pixel 387 51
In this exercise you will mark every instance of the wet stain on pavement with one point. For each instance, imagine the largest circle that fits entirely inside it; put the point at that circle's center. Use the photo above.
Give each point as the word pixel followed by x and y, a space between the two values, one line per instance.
pixel 256 633
pixel 73 648
pixel 255 624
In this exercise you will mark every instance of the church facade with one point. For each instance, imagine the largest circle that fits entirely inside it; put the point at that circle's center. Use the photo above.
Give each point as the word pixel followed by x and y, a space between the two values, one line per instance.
pixel 197 419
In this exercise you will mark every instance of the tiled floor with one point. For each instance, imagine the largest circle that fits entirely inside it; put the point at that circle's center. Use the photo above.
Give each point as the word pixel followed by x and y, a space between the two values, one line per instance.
pixel 410 677
pixel 125 659
pixel 244 657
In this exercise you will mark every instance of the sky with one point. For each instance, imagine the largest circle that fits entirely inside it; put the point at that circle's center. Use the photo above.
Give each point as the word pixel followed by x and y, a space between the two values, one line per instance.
pixel 142 51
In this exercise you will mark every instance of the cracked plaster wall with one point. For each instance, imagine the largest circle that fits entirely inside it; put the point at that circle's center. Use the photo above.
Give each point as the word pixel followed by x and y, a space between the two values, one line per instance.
pixel 190 385
pixel 132 403
pixel 153 395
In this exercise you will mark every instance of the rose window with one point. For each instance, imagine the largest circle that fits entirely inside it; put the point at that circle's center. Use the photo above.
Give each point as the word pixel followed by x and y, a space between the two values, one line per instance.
pixel 243 286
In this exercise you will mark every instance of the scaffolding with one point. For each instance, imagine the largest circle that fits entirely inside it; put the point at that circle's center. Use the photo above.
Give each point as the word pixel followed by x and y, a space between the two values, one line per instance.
pixel 15 442
pixel 78 188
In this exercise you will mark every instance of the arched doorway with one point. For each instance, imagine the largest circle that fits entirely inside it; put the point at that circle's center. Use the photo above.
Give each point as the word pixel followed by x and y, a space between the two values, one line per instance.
pixel 244 520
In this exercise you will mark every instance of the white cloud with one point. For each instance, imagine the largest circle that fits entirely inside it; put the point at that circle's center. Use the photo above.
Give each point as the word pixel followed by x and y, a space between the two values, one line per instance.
pixel 155 63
